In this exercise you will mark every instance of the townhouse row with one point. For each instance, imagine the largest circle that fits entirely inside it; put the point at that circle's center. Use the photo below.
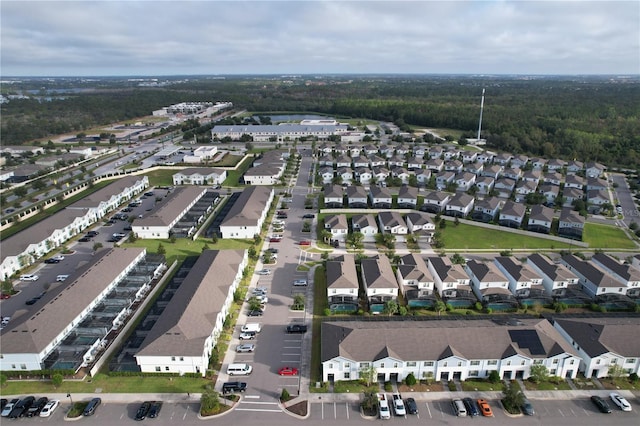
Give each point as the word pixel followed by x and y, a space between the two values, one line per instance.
pixel 503 283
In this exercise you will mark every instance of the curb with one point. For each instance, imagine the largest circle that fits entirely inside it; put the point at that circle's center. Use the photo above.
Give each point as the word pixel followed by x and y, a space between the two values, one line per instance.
pixel 284 408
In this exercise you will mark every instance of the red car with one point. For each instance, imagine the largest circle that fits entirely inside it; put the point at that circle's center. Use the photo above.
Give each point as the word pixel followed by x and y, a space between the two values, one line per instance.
pixel 288 371
pixel 305 243
pixel 275 240
pixel 485 409
pixel 4 296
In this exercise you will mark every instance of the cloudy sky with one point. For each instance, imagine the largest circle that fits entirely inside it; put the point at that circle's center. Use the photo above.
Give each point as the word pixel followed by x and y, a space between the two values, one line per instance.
pixel 71 38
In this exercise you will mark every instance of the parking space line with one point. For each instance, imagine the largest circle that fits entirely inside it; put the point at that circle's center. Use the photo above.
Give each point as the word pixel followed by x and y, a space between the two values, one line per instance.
pixel 322 410
pixel 346 404
pixel 335 410
pixel 572 412
pixel 561 413
pixel 428 410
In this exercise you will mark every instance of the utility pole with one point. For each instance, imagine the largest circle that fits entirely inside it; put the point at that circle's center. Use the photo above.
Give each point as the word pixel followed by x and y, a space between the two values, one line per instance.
pixel 480 122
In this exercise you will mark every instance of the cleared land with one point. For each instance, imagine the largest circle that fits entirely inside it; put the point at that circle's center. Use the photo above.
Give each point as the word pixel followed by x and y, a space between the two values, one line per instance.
pixel 472 237
pixel 606 236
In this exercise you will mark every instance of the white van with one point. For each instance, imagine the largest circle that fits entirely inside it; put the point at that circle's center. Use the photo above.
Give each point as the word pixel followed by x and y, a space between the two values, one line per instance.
pixel 458 408
pixel 252 327
pixel 239 369
pixel 62 277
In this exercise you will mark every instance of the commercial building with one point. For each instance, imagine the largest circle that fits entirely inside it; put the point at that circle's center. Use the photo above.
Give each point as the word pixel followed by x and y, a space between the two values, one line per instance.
pixel 278 132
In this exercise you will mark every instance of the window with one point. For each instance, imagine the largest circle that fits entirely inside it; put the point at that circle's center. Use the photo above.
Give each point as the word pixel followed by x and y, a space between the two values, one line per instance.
pixel 181 358
pixel 347 375
pixel 158 369
pixel 395 365
pixel 411 364
pixel 363 364
pixel 444 364
pixel 347 365
pixel 614 361
pixel 166 368
pixel 552 372
pixel 522 362
pixel 555 361
pixel 537 361
pixel 330 365
pixel 492 362
pixel 23 366
pixel 428 363
pixel 382 365
pixel 473 373
pixel 475 363
pixel 508 362
pixel 572 361
pixel 459 363
pixel 630 361
pixel 173 358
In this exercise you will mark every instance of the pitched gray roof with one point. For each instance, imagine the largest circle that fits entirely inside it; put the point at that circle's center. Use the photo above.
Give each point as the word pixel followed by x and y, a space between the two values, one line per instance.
pixel 341 272
pixel 33 331
pixel 204 171
pixel 363 220
pixel 333 191
pixel 519 271
pixel 191 314
pixel 626 271
pixel 555 271
pixel 391 218
pixel 354 191
pixel 512 208
pixel 378 273
pixel 414 267
pixel 380 192
pixel 591 272
pixel 336 221
pixel 570 216
pixel 436 340
pixel 597 336
pixel 447 271
pixel 104 194
pixel 540 212
pixel 249 207
pixel 171 207
pixel 485 271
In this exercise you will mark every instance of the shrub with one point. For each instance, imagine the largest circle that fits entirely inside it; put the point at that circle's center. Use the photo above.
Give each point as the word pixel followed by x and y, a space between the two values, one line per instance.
pixel 494 377
pixel 388 387
pixel 633 377
pixel 410 380
pixel 285 396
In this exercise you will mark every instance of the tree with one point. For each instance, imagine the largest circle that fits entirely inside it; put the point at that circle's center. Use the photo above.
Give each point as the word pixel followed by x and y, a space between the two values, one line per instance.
pixel 513 397
pixel 538 373
pixel 209 401
pixel 439 307
pixel 355 240
pixel 56 380
pixel 616 371
pixel 390 307
pixel 457 258
pixel 97 246
pixel 368 374
pixel 325 235
pixel 20 191
pixel 161 250
pixel 494 376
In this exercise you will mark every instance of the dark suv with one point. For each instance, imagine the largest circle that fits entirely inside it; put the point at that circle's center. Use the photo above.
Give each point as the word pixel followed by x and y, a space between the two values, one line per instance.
pixel 91 408
pixel 601 404
pixel 296 328
pixel 230 387
pixel 143 410
pixel 20 409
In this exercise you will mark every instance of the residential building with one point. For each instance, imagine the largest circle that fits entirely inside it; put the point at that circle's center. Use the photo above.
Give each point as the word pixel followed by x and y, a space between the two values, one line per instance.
pixel 366 225
pixel 450 279
pixel 435 201
pixel 420 224
pixel 556 278
pixel 248 213
pixel 379 281
pixel 485 184
pixel 407 197
pixel 512 214
pixel 623 272
pixel 524 282
pixel 504 187
pixel 201 154
pixel 416 282
pixel 603 343
pixel 486 210
pixel 185 334
pixel 540 219
pixel 594 280
pixel 487 282
pixel 333 196
pixel 356 197
pixel 337 225
pixel 571 224
pixel 464 181
pixel 444 350
pixel 158 223
pixel 342 283
pixel 392 222
pixel 460 205
pixel 200 176
pixel 595 170
pixel 571 195
pixel 278 132
pixel 380 197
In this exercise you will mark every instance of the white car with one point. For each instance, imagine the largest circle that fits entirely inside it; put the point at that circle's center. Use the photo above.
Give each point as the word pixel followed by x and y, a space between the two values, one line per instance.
pixel 262 298
pixel 49 408
pixel 264 272
pixel 59 258
pixel 398 405
pixel 300 283
pixel 29 277
pixel 245 347
pixel 622 403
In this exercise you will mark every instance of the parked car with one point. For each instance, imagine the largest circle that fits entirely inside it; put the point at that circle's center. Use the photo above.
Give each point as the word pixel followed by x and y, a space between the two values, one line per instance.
pixel 265 271
pixel 143 410
pixel 255 313
pixel 85 239
pixel 52 260
pixel 29 277
pixel 230 387
pixel 622 403
pixel 49 408
pixel 91 408
pixel 62 277
pixel 92 233
pixel 154 411
pixel 296 328
pixel 300 283
pixel 247 335
pixel 485 409
pixel 272 250
pixel 305 243
pixel 398 405
pixel 309 216
pixel 20 409
pixel 5 296
pixel 8 407
pixel 275 239
pixel 412 406
pixel 34 410
pixel 472 406
pixel 601 404
pixel 527 408
pixel 245 347
pixel 288 371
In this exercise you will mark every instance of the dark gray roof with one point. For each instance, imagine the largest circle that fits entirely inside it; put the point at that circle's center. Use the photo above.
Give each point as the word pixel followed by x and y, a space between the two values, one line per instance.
pixel 598 336
pixel 436 340
pixel 489 203
pixel 333 191
pixel 380 192
pixel 625 271
pixel 512 208
pixel 249 207
pixel 363 220
pixel 40 231
pixel 378 273
pixel 391 218
pixel 447 271
pixel 436 196
pixel 540 212
pixel 555 271
pixel 171 207
pixel 519 271
pixel 418 218
pixel 354 191
pixel 192 312
pixel 414 267
pixel 570 216
pixel 336 221
pixel 341 272
pixel 33 331
pixel 486 271
pixel 204 171
pixel 461 199
pixel 104 194
pixel 591 272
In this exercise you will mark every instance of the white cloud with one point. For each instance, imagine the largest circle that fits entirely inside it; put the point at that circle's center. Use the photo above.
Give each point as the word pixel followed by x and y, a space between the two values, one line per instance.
pixel 202 37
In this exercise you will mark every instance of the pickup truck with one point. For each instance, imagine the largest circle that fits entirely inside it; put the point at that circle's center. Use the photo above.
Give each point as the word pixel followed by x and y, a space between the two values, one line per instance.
pixel 398 405
pixel 296 328
pixel 383 406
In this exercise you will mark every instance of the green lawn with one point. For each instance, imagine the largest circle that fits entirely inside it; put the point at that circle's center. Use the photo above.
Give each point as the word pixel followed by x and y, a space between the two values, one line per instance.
pixel 110 384
pixel 184 247
pixel 466 236
pixel 606 236
pixel 162 177
pixel 233 176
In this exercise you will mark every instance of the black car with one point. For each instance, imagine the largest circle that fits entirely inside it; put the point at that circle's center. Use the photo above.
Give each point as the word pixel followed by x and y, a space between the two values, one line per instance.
pixel 32 301
pixel 601 404
pixel 309 216
pixel 20 409
pixel 52 260
pixel 472 406
pixel 154 411
pixel 255 313
pixel 3 402
pixel 92 233
pixel 296 328
pixel 410 404
pixel 229 387
pixel 143 411
pixel 37 406
pixel 91 407
pixel 272 250
pixel 84 239
pixel 127 210
pixel 128 228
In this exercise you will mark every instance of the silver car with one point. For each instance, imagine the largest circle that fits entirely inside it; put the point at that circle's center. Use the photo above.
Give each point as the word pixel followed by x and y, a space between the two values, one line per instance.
pixel 245 347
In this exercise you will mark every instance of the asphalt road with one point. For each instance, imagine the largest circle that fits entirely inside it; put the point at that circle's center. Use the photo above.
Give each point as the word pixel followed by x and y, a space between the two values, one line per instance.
pixel 625 199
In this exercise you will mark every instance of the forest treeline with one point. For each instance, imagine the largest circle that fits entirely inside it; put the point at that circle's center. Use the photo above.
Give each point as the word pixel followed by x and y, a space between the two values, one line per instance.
pixel 589 119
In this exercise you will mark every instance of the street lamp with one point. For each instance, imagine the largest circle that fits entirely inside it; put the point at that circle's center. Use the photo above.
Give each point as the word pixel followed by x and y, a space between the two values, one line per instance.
pixel 71 399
